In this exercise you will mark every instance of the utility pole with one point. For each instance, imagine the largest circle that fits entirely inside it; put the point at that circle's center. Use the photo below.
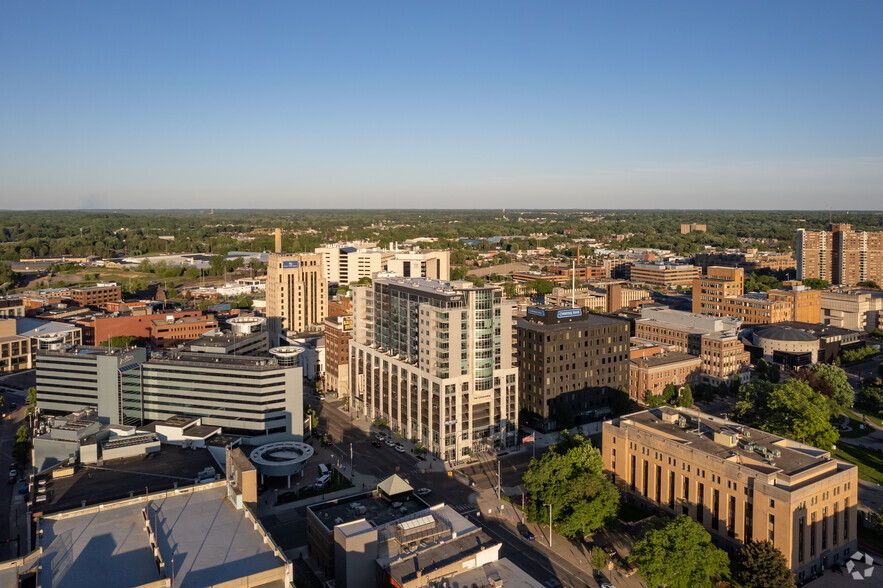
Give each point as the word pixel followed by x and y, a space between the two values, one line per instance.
pixel 499 483
pixel 550 523
pixel 352 471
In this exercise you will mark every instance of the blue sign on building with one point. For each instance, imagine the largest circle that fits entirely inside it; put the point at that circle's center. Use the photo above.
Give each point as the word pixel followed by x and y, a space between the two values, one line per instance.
pixel 570 312
pixel 290 264
pixel 536 311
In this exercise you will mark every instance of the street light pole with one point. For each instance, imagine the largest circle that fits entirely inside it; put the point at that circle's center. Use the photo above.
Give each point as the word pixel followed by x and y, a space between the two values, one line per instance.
pixel 550 523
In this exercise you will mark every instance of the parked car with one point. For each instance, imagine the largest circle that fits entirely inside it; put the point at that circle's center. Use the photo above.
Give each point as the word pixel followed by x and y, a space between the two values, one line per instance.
pixel 527 535
pixel 423 492
pixel 379 436
pixel 376 443
pixel 390 443
pixel 13 475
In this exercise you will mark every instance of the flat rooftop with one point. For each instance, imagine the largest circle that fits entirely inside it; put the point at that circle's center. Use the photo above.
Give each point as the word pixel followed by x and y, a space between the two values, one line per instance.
pixel 203 360
pixel 211 542
pixel 665 358
pixel 793 459
pixel 115 479
pixel 442 555
pixel 379 511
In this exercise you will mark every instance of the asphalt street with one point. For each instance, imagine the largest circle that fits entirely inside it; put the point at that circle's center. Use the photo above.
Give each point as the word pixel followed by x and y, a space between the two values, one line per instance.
pixel 11 504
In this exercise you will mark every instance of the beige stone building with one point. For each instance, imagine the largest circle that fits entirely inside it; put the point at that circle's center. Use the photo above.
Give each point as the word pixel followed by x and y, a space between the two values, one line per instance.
pixel 297 293
pixel 737 482
pixel 858 310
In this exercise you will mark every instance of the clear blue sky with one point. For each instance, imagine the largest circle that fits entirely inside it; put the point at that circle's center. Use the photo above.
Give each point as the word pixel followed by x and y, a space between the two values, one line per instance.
pixel 170 104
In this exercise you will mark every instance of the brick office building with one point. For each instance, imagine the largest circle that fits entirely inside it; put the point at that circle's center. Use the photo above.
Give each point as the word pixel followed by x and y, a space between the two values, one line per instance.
pixel 568 362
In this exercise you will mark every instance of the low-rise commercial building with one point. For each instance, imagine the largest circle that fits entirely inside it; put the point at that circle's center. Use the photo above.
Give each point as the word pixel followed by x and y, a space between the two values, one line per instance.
pixel 15 350
pixel 12 307
pixel 854 309
pixel 169 332
pixel 569 362
pixel 98 295
pixel 664 274
pixel 737 482
pixel 649 375
pixel 98 329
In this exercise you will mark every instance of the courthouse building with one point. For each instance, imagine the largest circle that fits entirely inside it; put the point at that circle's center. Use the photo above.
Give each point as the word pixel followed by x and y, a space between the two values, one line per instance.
pixel 737 482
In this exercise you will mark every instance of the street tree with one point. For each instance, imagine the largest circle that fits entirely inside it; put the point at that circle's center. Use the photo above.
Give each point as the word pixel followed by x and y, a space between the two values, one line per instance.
pixel 761 564
pixel 570 477
pixel 541 286
pixel 678 553
pixel 686 398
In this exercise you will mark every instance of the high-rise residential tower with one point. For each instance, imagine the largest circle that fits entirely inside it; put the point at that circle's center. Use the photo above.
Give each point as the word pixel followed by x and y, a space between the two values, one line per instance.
pixel 297 293
pixel 840 255
pixel 434 359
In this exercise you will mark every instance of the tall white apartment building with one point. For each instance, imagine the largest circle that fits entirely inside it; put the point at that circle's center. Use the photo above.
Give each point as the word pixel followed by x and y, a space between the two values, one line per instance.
pixel 435 265
pixel 297 293
pixel 349 262
pixel 434 359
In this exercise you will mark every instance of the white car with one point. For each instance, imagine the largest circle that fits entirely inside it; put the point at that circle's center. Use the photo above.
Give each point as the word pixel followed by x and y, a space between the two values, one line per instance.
pixel 390 442
pixel 423 492
pixel 380 436
pixel 400 449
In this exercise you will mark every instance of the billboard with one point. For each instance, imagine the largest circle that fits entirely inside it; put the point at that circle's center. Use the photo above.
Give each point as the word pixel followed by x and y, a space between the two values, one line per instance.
pixel 290 264
pixel 536 311
pixel 570 312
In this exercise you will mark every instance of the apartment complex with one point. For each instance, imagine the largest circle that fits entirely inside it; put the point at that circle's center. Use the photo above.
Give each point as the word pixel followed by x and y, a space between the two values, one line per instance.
pixel 434 359
pixel 663 274
pixel 714 339
pixel 739 483
pixel 244 395
pixel 650 374
pixel 98 295
pixel 858 310
pixel 692 227
pixel 568 363
pixel 721 293
pixel 297 293
pixel 840 255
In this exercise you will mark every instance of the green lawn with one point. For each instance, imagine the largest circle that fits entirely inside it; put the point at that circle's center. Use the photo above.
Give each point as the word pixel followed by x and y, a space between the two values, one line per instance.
pixel 869 462
pixel 874 418
pixel 856 431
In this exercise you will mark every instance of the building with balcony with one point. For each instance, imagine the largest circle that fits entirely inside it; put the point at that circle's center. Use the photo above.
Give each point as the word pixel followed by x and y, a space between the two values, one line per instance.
pixel 434 359
pixel 737 482
pixel 840 255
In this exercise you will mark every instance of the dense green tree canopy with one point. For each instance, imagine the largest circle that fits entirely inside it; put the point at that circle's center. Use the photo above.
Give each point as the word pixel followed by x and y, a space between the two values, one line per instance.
pixel 792 410
pixel 570 477
pixel 679 554
pixel 762 565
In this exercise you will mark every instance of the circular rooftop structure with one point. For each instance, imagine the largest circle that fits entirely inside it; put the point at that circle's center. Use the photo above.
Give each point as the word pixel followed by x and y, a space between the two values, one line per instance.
pixel 287 356
pixel 786 334
pixel 247 324
pixel 282 458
